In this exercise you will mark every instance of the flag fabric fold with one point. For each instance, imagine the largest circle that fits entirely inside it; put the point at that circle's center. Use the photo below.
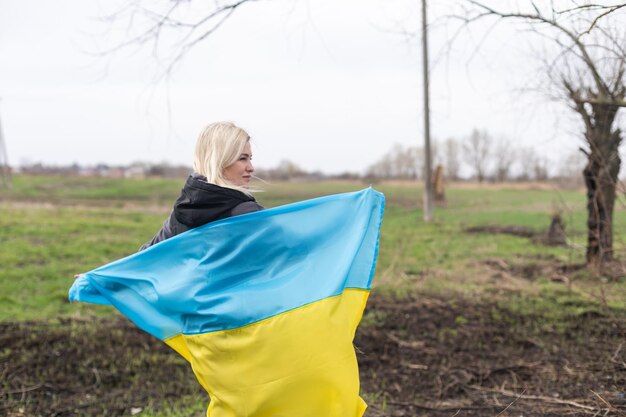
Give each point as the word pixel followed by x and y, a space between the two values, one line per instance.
pixel 264 306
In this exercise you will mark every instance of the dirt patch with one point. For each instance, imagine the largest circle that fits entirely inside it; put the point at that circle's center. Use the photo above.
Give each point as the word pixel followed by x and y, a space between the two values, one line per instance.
pixel 554 236
pixel 530 268
pixel 418 357
pixel 104 367
pixel 436 357
pixel 520 231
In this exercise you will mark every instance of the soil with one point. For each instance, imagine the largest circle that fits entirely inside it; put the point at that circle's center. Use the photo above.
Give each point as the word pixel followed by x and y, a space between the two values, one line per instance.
pixel 418 357
pixel 436 357
pixel 520 231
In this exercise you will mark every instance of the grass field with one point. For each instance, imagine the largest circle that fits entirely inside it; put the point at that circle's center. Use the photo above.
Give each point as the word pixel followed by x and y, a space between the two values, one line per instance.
pixel 54 227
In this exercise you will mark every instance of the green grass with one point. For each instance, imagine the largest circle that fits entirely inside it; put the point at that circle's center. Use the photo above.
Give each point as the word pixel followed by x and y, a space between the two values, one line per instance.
pixel 108 191
pixel 54 227
pixel 192 406
pixel 42 248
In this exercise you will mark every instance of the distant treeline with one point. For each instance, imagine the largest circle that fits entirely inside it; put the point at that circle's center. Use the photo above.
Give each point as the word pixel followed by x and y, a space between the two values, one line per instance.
pixel 285 170
pixel 134 170
pixel 479 157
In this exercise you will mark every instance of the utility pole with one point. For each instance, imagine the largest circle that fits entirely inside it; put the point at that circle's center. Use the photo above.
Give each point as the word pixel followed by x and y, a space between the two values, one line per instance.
pixel 428 187
pixel 5 170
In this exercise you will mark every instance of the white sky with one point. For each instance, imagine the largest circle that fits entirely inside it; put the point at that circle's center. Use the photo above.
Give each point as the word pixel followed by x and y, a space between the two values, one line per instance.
pixel 322 83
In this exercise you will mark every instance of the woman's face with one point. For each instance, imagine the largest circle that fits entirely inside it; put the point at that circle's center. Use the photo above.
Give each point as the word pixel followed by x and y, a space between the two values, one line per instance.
pixel 241 171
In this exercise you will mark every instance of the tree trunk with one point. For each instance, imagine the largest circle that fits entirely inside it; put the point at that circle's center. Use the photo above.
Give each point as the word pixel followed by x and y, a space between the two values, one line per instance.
pixel 600 176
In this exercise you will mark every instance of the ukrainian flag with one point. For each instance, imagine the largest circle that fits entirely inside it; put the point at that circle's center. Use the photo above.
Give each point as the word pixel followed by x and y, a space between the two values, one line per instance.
pixel 264 306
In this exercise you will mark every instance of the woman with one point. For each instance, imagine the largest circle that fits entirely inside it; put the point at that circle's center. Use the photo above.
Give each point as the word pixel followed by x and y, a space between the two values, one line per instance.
pixel 218 188
pixel 266 319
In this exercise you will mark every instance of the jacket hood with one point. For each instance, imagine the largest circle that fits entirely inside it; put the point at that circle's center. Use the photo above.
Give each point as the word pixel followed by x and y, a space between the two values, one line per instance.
pixel 201 202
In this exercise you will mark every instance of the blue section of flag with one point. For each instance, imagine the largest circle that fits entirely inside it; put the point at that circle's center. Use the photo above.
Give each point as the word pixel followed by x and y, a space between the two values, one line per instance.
pixel 240 270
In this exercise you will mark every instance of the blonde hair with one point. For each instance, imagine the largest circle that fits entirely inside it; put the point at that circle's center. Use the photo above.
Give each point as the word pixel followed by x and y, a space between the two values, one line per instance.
pixel 219 145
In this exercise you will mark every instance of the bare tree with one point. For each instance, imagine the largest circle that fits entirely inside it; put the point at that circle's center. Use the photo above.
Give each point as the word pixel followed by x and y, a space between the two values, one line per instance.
pixel 400 163
pixel 381 169
pixel 405 162
pixel 540 168
pixel 451 158
pixel 571 166
pixel 534 166
pixel 526 157
pixel 477 150
pixel 285 170
pixel 588 68
pixel 503 156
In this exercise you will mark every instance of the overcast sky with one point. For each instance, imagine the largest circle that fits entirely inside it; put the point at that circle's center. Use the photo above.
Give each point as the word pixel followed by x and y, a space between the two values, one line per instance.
pixel 324 83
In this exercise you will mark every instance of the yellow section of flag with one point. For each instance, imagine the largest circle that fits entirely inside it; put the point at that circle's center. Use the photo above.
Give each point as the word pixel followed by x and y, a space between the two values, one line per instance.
pixel 300 363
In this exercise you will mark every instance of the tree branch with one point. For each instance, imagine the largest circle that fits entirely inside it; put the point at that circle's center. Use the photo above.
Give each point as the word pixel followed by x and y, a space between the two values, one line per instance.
pixel 600 16
pixel 189 33
pixel 603 89
pixel 579 105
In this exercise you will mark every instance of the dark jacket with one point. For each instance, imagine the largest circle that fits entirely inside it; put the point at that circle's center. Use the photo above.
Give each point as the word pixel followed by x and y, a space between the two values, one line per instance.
pixel 200 203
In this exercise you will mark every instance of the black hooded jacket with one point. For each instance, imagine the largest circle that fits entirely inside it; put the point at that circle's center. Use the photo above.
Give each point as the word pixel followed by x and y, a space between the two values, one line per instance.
pixel 200 203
